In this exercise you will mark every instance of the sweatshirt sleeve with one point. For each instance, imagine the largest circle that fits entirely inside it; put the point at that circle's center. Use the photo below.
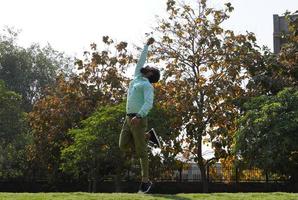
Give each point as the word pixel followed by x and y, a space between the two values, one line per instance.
pixel 141 61
pixel 148 97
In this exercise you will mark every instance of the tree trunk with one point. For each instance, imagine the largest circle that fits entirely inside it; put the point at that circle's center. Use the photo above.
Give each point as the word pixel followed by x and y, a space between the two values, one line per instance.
pixel 180 174
pixel 237 174
pixel 204 178
pixel 202 166
pixel 94 185
pixel 92 180
pixel 208 173
pixel 117 182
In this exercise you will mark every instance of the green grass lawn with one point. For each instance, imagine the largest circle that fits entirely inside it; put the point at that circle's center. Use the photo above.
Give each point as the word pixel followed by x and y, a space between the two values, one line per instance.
pixel 125 196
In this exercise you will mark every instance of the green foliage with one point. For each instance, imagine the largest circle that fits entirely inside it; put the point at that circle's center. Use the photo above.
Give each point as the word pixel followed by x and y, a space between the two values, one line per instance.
pixel 267 135
pixel 13 135
pixel 11 115
pixel 95 151
pixel 28 71
pixel 268 127
pixel 13 158
pixel 276 72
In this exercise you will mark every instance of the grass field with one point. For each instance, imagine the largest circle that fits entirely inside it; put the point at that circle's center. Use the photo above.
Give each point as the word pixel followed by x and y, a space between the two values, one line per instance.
pixel 125 196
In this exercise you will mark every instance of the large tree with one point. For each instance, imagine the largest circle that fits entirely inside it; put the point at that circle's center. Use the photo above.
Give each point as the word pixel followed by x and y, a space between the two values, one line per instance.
pixel 267 135
pixel 11 114
pixel 13 135
pixel 99 81
pixel 203 74
pixel 277 71
pixel 269 119
pixel 94 152
pixel 28 71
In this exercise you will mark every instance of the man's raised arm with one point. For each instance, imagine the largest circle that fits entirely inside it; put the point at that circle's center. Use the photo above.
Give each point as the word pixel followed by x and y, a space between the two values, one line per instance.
pixel 143 57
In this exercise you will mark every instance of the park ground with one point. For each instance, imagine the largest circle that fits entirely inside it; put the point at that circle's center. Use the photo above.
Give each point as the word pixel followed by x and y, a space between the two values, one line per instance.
pixel 126 196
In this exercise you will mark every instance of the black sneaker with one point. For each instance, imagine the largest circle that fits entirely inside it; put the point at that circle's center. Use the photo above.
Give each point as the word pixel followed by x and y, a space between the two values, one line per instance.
pixel 154 138
pixel 145 187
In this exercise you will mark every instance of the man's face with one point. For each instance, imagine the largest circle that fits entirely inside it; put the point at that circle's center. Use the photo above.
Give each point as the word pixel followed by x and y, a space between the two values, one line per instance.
pixel 147 71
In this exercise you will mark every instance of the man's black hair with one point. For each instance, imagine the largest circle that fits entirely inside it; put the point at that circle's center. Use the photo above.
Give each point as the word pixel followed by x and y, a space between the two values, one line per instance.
pixel 154 78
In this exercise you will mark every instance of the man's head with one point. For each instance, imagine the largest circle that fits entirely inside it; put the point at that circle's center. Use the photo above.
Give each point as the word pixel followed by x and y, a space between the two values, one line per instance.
pixel 151 73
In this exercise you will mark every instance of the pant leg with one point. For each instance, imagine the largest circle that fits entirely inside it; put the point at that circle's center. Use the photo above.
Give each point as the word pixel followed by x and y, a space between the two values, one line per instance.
pixel 126 142
pixel 138 132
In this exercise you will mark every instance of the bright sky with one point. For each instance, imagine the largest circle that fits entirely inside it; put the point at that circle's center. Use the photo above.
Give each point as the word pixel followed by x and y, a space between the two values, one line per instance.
pixel 71 25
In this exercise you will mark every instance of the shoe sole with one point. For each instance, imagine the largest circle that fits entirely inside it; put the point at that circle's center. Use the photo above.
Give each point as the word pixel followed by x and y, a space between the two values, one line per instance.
pixel 155 135
pixel 145 192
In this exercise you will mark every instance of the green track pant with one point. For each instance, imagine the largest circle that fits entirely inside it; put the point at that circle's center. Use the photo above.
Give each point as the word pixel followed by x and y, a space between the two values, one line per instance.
pixel 132 138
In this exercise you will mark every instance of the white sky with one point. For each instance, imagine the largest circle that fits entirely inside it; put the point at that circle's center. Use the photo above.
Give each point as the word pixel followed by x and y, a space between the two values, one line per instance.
pixel 71 25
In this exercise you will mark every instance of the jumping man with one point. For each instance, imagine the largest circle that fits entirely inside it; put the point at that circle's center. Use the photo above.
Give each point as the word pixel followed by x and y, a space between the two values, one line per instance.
pixel 139 103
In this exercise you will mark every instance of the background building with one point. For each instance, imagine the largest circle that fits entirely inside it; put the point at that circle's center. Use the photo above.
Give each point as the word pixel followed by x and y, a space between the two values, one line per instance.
pixel 280 26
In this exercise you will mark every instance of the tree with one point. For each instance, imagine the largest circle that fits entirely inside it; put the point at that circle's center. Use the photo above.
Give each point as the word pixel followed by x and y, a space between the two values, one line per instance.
pixel 11 115
pixel 29 71
pixel 94 152
pixel 14 137
pixel 267 133
pixel 276 72
pixel 203 74
pixel 267 82
pixel 99 82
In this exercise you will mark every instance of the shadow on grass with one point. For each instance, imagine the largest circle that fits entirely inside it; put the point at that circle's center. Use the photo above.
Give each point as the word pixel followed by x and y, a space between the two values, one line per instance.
pixel 167 196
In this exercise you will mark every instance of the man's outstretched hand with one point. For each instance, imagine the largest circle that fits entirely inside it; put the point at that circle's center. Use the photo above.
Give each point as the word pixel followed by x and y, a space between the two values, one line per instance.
pixel 150 41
